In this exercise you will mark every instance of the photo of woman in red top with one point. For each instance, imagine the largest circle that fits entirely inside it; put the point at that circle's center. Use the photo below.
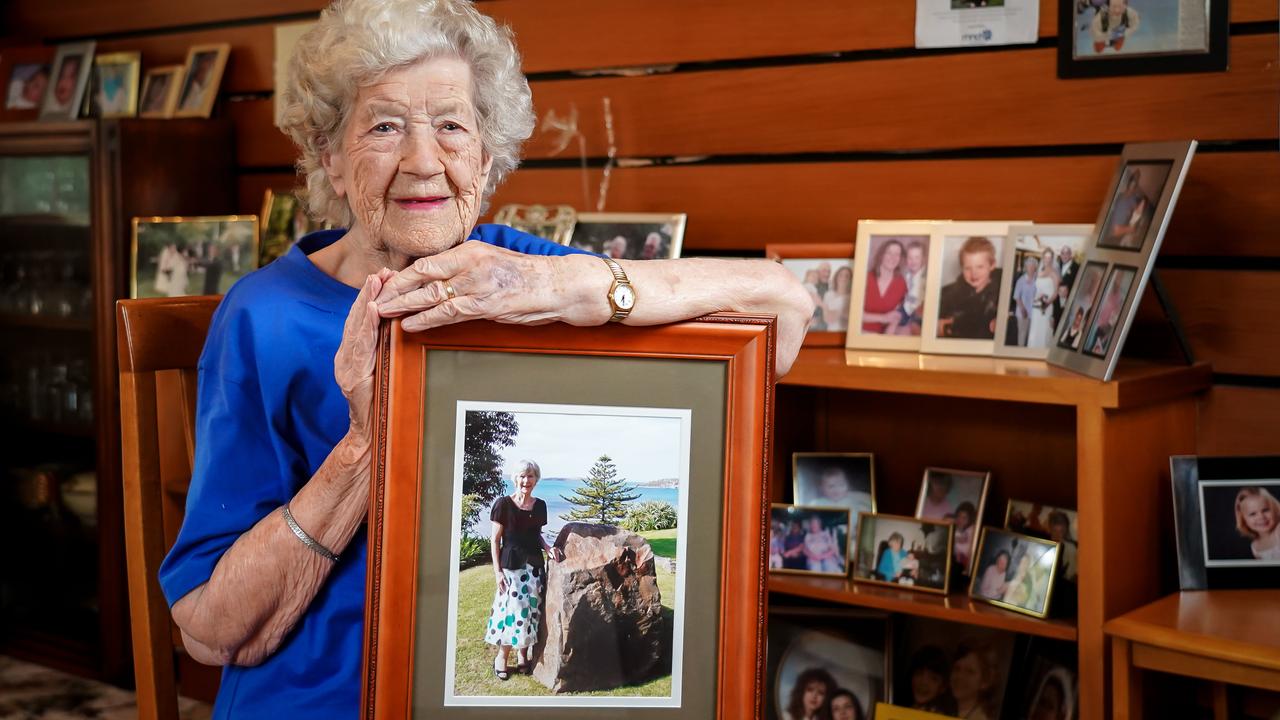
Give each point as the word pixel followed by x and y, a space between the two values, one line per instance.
pixel 885 288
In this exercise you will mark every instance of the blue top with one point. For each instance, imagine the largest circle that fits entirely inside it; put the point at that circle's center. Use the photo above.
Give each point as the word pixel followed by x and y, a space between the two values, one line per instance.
pixel 268 414
pixel 891 563
pixel 1025 290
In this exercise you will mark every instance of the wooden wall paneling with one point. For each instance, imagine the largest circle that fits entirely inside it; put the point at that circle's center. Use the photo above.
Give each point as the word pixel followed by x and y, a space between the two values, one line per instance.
pixel 249 68
pixel 41 19
pixel 742 207
pixel 251 189
pixel 1230 317
pixel 1239 421
pixel 261 143
pixel 1009 98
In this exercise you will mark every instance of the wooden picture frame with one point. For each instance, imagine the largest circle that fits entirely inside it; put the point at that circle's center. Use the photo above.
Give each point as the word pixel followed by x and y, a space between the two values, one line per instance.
pixel 1051 553
pixel 799 258
pixel 1209 55
pixel 864 568
pixel 591 232
pixel 201 78
pixel 721 366
pixel 874 237
pixel 976 514
pixel 158 97
pixel 1127 238
pixel 785 513
pixel 1033 336
pixel 952 327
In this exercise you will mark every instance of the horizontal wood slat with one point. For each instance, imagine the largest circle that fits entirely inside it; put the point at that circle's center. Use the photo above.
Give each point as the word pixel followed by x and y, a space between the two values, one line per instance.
pixel 249 68
pixel 251 189
pixel 1239 421
pixel 1230 318
pixel 743 207
pixel 584 34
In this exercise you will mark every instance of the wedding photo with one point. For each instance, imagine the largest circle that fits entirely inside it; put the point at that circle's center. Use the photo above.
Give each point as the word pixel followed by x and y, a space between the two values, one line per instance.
pixel 176 257
pixel 826 663
pixel 961 497
pixel 1043 267
pixel 903 551
pixel 551 503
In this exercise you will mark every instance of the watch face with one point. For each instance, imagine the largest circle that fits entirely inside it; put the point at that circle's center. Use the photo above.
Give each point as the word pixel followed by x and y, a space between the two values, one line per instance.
pixel 624 297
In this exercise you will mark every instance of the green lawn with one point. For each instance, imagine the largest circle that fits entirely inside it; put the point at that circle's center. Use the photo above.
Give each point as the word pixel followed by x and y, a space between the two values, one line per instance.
pixel 474 659
pixel 663 542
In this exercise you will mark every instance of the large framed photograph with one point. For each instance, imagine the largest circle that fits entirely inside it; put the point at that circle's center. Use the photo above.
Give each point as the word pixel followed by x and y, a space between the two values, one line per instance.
pixel 826 269
pixel 1127 237
pixel 903 552
pixel 809 540
pixel 66 86
pixel 1227 517
pixel 959 496
pixel 201 77
pixel 1051 523
pixel 180 256
pixel 965 262
pixel 891 283
pixel 953 669
pixel 1043 263
pixel 645 493
pixel 630 236
pixel 115 84
pixel 1015 571
pixel 160 88
pixel 826 663
pixel 838 480
pixel 1127 37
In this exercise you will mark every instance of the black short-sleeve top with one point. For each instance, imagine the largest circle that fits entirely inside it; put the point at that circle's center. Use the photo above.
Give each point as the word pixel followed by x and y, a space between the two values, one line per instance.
pixel 521 532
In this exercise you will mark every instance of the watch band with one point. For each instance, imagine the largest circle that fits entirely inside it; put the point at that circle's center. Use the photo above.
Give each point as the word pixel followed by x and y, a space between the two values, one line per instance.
pixel 619 278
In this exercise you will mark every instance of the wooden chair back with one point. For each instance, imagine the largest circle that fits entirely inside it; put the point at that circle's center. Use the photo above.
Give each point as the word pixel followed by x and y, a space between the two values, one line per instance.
pixel 159 341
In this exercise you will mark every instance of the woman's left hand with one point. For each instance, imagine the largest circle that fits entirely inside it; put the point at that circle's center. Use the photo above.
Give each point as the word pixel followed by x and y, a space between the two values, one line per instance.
pixel 476 280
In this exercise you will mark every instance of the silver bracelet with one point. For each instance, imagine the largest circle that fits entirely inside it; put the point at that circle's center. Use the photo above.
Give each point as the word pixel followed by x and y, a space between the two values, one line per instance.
pixel 306 539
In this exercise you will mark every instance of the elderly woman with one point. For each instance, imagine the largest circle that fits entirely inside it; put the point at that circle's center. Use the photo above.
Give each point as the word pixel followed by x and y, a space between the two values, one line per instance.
pixel 408 113
pixel 516 544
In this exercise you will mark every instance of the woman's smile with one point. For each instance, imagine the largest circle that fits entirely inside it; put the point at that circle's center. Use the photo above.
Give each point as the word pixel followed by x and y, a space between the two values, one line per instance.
pixel 425 202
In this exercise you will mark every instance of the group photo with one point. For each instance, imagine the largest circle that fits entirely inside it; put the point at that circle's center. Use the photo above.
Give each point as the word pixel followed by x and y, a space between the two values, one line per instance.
pixel 555 507
pixel 809 539
pixel 829 282
pixel 1046 268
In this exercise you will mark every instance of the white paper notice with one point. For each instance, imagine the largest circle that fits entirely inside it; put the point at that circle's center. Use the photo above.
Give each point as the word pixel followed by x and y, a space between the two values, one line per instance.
pixel 961 23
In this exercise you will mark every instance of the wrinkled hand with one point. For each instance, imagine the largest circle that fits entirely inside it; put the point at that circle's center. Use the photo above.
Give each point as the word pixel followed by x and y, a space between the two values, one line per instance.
pixel 354 363
pixel 489 283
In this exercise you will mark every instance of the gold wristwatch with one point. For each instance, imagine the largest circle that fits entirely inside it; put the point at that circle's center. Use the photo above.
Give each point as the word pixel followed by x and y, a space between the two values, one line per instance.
pixel 622 296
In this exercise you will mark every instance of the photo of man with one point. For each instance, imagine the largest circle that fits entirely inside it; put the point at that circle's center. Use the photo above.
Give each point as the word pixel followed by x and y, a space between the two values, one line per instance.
pixel 1134 206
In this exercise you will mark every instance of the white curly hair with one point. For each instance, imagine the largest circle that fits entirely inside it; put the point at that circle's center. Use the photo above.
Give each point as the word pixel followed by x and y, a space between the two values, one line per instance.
pixel 357 41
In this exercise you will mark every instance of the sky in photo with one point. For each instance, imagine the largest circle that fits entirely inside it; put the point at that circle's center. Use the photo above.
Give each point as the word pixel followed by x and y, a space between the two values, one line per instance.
pixel 566 445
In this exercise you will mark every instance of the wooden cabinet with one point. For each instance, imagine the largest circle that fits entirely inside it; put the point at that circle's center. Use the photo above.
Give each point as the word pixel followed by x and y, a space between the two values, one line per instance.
pixel 68 192
pixel 1046 434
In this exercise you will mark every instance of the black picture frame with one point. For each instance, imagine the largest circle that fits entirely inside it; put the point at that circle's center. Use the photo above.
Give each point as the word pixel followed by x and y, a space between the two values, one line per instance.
pixel 1187 473
pixel 1214 59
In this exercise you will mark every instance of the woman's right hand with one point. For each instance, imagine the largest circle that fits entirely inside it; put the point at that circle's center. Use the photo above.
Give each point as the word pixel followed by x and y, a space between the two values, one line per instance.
pixel 500 580
pixel 357 355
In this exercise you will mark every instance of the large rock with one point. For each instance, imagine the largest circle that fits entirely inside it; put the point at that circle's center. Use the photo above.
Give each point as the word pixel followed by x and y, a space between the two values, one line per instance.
pixel 603 625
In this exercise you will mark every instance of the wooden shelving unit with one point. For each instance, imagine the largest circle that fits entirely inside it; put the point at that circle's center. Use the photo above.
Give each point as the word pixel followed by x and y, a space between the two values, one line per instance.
pixel 1047 435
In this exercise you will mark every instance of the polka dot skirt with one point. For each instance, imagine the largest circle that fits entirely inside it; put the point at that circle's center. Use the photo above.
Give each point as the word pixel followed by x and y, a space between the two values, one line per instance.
pixel 513 621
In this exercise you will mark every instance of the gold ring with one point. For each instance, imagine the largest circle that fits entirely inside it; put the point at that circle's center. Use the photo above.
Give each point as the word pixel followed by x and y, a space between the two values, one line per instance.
pixel 449 292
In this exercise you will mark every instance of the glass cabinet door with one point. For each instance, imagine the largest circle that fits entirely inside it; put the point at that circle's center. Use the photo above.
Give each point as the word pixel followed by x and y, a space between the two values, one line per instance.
pixel 48 486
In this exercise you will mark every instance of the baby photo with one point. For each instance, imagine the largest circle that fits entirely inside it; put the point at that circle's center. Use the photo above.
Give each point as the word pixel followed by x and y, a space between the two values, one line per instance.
pixel 959 496
pixel 1240 522
pixel 835 480
pixel 808 540
pixel 1015 571
pixel 897 550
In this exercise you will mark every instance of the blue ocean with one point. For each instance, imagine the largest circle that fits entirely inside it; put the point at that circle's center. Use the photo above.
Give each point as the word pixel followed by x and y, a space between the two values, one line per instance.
pixel 553 490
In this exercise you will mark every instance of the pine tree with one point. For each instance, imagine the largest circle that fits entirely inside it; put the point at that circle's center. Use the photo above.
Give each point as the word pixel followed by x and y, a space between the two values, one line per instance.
pixel 605 496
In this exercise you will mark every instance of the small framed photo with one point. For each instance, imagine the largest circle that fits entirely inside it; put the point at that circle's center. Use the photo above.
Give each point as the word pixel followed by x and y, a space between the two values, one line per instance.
pixel 1127 37
pixel 891 284
pixel 1051 688
pixel 550 223
pixel 885 711
pixel 961 497
pixel 838 480
pixel 160 87
pixel 1015 571
pixel 964 299
pixel 71 66
pixel 1127 236
pixel 181 256
pixel 630 236
pixel 903 552
pixel 809 540
pixel 826 269
pixel 115 84
pixel 832 663
pixel 201 77
pixel 1227 517
pixel 1051 523
pixel 27 85
pixel 1043 263
pixel 952 669
pixel 284 222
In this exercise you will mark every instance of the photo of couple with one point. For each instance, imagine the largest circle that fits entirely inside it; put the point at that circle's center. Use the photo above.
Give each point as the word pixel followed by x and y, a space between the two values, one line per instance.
pixel 1134 205
pixel 555 507
pixel 1106 322
pixel 960 497
pixel 896 276
pixel 829 282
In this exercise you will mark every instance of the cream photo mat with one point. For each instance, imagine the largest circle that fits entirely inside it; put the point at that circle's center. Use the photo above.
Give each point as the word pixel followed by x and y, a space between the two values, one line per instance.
pixel 929 342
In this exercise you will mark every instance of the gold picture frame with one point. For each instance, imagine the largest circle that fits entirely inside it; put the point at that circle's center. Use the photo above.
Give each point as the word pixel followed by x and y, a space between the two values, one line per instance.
pixel 636 231
pixel 124 101
pixel 864 527
pixel 178 254
pixel 797 457
pixel 158 96
pixel 1052 555
pixel 791 509
pixel 554 223
pixel 979 509
pixel 201 77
